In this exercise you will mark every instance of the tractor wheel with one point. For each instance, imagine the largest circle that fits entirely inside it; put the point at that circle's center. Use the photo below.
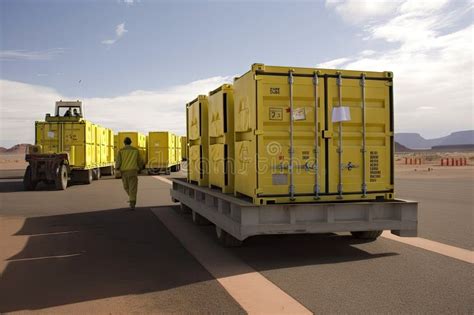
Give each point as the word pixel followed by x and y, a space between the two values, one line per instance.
pixel 60 182
pixel 28 183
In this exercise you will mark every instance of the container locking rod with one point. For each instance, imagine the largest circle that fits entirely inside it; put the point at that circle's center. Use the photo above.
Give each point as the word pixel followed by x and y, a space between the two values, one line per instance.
pixel 290 167
pixel 364 144
pixel 339 151
pixel 316 136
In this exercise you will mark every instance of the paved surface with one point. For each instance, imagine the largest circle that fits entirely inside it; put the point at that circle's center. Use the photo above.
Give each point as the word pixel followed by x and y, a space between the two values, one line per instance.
pixel 12 174
pixel 79 251
pixel 446 206
pixel 83 246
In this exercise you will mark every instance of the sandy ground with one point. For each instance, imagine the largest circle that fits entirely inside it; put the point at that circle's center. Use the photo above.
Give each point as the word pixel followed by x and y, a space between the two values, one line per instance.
pixel 12 161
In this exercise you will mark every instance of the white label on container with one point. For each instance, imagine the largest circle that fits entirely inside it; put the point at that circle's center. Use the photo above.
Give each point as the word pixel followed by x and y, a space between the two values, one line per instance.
pixel 157 144
pixel 51 134
pixel 341 113
pixel 299 113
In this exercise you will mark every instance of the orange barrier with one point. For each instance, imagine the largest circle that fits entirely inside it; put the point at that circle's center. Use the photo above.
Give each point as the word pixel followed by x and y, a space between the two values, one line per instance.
pixel 453 162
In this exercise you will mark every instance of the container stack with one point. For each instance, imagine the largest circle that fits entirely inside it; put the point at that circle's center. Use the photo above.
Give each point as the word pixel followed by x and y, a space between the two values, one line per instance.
pixel 295 135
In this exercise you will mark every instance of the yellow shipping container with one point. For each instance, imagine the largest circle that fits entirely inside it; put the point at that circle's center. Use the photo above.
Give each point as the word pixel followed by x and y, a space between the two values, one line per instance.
pixel 184 148
pixel 306 135
pixel 138 141
pixel 88 145
pixel 221 138
pixel 197 134
pixel 178 151
pixel 162 152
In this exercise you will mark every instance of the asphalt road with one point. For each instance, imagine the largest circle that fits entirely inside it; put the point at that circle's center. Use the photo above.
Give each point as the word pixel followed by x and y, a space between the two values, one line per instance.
pixel 84 252
pixel 445 208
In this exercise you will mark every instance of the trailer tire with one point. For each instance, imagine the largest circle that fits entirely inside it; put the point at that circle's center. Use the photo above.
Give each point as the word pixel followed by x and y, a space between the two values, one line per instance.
pixel 87 177
pixel 96 174
pixel 367 235
pixel 227 240
pixel 199 219
pixel 60 182
pixel 28 183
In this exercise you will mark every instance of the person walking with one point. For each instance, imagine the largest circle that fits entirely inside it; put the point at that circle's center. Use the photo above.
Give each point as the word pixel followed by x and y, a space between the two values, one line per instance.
pixel 129 163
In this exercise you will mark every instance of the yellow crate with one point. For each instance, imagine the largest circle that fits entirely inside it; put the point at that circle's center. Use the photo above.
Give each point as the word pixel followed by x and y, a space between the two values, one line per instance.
pixel 221 138
pixel 138 141
pixel 197 134
pixel 321 168
pixel 178 149
pixel 184 148
pixel 88 145
pixel 161 150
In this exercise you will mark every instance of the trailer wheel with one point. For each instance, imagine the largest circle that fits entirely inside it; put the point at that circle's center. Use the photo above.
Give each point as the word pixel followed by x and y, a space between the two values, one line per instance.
pixel 87 177
pixel 226 239
pixel 96 174
pixel 199 219
pixel 367 235
pixel 60 182
pixel 29 184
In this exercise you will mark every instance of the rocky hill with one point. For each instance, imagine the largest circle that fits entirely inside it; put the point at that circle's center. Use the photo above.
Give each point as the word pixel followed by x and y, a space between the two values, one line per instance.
pixel 416 141
pixel 16 149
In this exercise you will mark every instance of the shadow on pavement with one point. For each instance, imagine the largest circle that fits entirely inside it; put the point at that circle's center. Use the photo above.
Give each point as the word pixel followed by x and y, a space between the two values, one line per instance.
pixel 16 185
pixel 87 256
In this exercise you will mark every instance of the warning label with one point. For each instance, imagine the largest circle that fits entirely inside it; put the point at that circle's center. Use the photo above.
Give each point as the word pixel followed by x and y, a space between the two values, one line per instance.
pixel 276 113
pixel 374 166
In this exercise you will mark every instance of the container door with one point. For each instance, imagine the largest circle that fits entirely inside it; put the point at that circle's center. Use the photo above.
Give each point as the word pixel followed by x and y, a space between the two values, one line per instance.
pixel 49 136
pixel 349 159
pixel 194 115
pixel 274 138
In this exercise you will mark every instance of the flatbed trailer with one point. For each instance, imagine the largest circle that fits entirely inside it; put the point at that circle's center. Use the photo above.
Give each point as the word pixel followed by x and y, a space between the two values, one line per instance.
pixel 237 219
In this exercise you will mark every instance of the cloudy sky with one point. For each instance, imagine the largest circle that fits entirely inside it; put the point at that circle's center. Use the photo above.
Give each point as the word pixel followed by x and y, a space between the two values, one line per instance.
pixel 134 64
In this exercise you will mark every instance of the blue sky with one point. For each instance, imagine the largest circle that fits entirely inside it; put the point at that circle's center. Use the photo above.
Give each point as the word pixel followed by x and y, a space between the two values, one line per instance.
pixel 150 56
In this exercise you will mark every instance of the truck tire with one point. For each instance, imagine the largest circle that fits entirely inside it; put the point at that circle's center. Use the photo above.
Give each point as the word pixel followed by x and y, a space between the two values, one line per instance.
pixel 199 219
pixel 227 240
pixel 29 184
pixel 96 174
pixel 87 179
pixel 60 182
pixel 367 235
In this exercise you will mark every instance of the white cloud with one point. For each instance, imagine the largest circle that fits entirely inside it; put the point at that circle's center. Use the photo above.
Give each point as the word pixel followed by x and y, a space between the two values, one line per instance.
pixel 119 32
pixel 357 11
pixel 129 2
pixel 335 63
pixel 22 54
pixel 140 110
pixel 432 63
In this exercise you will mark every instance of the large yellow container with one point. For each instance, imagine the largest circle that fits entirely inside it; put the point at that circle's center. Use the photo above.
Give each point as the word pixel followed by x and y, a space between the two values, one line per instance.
pixel 161 150
pixel 88 145
pixel 221 138
pixel 281 160
pixel 138 141
pixel 197 134
pixel 184 148
pixel 178 149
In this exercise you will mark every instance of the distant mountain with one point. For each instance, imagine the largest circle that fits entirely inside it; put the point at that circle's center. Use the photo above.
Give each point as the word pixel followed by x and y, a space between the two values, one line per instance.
pixel 16 149
pixel 416 141
pixel 401 148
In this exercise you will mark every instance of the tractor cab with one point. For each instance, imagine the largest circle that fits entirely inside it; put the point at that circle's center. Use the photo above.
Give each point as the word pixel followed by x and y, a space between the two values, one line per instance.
pixel 67 111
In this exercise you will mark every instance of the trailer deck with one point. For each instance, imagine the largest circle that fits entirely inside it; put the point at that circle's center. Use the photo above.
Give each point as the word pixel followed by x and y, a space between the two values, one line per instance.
pixel 243 219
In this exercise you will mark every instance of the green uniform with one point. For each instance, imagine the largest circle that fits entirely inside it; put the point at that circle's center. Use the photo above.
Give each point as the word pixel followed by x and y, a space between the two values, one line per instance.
pixel 129 163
